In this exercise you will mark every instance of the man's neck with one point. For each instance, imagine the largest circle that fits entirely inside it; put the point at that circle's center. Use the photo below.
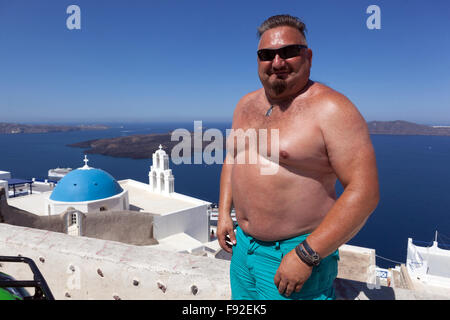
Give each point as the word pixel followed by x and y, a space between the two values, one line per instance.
pixel 287 100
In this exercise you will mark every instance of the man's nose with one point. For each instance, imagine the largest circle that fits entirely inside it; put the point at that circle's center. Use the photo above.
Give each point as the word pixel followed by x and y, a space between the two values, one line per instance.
pixel 278 62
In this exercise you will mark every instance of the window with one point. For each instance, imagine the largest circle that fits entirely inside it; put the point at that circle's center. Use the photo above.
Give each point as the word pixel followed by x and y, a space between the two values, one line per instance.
pixel 161 178
pixel 155 182
pixel 157 161
pixel 73 219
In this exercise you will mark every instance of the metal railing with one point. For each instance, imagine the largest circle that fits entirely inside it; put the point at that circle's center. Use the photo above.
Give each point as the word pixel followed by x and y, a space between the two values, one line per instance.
pixel 42 291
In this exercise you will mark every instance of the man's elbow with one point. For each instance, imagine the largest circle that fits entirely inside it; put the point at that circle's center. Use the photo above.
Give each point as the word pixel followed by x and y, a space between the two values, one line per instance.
pixel 374 199
pixel 366 197
pixel 371 198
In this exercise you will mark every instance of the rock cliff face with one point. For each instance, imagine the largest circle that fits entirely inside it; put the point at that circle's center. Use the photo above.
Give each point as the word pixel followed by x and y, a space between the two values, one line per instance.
pixel 405 128
pixel 135 146
pixel 138 146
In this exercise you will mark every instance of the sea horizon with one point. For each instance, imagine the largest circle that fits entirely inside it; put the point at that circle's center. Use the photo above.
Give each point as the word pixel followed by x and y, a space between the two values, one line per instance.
pixel 117 122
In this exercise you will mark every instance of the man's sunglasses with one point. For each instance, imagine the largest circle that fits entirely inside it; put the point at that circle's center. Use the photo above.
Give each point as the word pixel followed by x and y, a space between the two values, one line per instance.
pixel 286 52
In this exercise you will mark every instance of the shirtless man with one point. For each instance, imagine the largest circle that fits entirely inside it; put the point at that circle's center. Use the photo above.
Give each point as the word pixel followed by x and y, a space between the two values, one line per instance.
pixel 322 137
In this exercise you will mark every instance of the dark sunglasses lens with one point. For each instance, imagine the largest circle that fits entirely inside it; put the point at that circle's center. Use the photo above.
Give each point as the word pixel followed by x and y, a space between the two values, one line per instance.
pixel 266 54
pixel 285 53
pixel 289 52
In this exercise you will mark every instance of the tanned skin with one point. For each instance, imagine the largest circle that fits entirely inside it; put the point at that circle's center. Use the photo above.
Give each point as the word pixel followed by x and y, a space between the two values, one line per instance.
pixel 323 138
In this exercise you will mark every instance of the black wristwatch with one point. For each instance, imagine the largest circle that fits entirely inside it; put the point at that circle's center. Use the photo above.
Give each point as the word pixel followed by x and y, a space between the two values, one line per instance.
pixel 307 255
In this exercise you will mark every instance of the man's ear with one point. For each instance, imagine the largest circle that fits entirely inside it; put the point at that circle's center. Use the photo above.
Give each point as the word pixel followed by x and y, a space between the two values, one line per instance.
pixel 309 55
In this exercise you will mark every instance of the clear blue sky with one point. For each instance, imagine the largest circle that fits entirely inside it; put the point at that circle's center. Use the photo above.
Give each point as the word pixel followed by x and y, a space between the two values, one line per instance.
pixel 193 60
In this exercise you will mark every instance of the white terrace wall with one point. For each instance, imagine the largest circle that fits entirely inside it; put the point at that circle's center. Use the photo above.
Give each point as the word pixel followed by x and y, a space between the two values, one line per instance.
pixel 192 221
pixel 87 268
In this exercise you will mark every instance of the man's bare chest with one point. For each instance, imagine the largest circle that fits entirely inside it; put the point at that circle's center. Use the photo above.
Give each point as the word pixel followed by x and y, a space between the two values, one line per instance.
pixel 295 133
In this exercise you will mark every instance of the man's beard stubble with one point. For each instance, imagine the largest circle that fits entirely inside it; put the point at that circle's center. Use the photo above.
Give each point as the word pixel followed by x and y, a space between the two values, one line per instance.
pixel 278 86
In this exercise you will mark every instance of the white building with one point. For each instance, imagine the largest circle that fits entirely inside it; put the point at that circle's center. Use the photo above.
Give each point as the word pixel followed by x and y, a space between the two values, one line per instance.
pixel 160 176
pixel 88 190
pixel 180 222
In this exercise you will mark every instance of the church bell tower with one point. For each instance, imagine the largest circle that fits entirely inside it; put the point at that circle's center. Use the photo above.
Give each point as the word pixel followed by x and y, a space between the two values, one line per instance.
pixel 160 176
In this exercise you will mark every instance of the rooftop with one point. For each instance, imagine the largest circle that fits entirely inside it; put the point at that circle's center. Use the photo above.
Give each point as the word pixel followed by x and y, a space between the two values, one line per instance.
pixel 142 199
pixel 85 184
pixel 34 203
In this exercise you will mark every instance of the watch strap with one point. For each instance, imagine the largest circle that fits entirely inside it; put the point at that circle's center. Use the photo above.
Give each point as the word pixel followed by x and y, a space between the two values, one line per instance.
pixel 302 254
pixel 305 252
pixel 308 248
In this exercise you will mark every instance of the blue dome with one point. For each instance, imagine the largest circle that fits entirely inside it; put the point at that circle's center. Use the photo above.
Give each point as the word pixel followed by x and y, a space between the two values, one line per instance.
pixel 85 185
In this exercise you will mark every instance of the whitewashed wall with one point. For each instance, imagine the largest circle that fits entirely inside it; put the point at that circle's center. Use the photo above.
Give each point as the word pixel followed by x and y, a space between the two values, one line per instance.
pixel 86 268
pixel 114 203
pixel 193 221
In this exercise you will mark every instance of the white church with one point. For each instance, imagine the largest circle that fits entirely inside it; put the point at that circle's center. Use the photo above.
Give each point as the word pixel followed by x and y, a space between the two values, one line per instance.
pixel 180 222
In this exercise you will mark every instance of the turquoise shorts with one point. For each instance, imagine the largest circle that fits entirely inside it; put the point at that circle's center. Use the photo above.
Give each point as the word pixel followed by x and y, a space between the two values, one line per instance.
pixel 254 264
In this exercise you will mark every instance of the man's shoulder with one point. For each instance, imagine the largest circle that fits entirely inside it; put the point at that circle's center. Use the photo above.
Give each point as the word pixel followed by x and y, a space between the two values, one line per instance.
pixel 328 94
pixel 335 111
pixel 332 102
pixel 247 101
pixel 251 97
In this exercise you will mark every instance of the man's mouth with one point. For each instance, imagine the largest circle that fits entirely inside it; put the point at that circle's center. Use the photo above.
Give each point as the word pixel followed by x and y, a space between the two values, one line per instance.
pixel 281 74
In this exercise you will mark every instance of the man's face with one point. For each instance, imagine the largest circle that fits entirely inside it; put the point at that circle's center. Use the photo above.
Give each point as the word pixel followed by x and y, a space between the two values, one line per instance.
pixel 283 78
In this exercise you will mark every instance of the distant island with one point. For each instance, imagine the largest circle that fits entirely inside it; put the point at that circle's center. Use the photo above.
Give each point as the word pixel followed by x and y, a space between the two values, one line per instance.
pixel 143 146
pixel 400 127
pixel 16 128
pixel 140 146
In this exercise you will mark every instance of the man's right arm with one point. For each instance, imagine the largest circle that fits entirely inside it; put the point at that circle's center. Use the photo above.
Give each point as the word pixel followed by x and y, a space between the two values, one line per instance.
pixel 225 226
pixel 225 230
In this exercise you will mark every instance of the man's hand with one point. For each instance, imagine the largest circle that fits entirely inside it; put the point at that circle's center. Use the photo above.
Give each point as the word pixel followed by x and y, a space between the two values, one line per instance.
pixel 291 274
pixel 225 233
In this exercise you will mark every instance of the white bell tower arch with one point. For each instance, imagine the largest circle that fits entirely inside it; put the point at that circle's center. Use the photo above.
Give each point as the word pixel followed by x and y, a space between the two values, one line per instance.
pixel 160 177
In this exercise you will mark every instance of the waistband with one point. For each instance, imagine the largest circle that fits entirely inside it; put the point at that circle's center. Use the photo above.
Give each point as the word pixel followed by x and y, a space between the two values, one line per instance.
pixel 290 241
pixel 284 245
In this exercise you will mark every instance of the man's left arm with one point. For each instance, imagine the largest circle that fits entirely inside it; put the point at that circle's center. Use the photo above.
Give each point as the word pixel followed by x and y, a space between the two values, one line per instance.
pixel 352 158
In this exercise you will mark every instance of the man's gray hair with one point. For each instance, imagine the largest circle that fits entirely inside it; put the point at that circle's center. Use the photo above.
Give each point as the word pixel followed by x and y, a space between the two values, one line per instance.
pixel 282 20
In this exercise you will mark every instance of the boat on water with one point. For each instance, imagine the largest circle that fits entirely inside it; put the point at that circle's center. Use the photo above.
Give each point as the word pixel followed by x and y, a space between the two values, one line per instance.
pixel 58 173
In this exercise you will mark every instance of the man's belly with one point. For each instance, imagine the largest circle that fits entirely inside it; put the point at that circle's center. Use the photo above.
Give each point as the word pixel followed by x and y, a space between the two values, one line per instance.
pixel 280 206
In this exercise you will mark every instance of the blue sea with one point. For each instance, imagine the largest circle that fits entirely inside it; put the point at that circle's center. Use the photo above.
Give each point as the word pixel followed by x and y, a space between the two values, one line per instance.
pixel 414 174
